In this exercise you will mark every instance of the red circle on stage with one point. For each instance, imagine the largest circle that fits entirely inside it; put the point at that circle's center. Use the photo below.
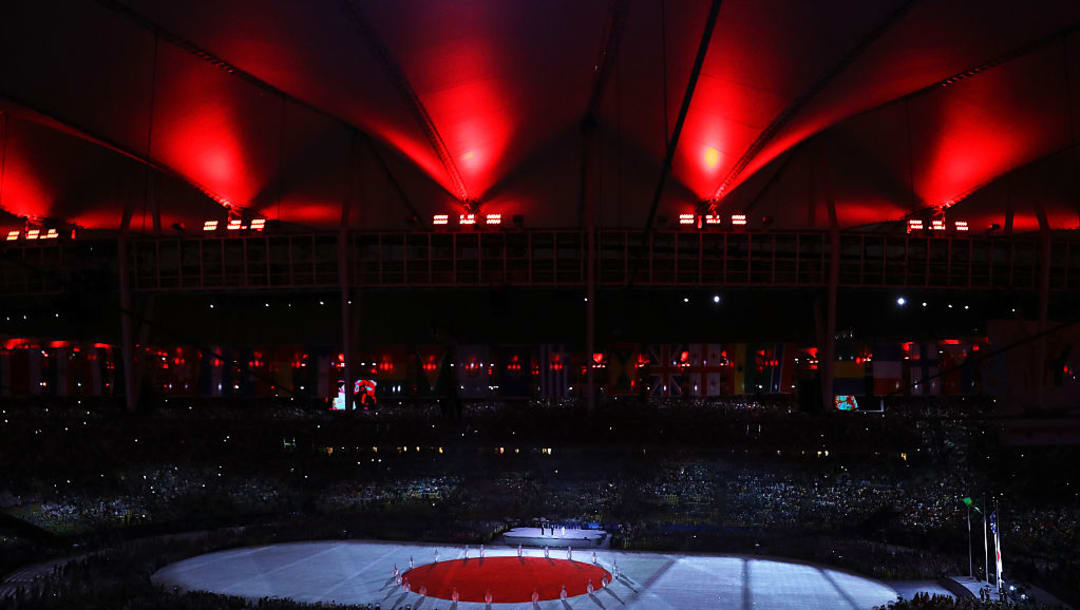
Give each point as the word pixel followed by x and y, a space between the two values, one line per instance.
pixel 510 579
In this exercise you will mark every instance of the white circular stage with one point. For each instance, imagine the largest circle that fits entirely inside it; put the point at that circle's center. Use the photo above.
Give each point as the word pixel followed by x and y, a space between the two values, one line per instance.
pixel 357 572
pixel 560 537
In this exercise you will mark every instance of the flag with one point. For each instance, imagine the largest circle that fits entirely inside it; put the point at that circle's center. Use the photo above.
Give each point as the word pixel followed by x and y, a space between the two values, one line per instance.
pixel 475 371
pixel 922 359
pixel 552 371
pixel 6 387
pixel 282 361
pixel 622 369
pixel 102 370
pixel 716 370
pixel 769 368
pixel 695 379
pixel 79 370
pixel 35 356
pixel 156 369
pixel 849 377
pixel 326 377
pixel 431 359
pixel 887 369
pixel 392 364
pixel 738 363
pixel 212 371
pixel 259 377
pixel 668 370
pixel 514 375
pixel 954 353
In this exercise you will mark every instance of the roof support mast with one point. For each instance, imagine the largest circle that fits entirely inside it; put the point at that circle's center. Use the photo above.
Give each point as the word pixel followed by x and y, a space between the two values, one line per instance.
pixel 401 83
pixel 795 106
pixel 590 182
pixel 669 155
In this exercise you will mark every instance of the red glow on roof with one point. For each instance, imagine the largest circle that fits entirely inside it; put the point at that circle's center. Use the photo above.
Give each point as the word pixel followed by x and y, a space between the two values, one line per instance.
pixel 712 158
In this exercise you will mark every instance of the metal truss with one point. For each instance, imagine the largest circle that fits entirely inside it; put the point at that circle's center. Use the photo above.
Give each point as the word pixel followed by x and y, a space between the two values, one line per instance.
pixel 542 258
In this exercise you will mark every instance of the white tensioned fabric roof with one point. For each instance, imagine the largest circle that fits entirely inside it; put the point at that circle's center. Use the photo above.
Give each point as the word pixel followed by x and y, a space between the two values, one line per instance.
pixel 291 110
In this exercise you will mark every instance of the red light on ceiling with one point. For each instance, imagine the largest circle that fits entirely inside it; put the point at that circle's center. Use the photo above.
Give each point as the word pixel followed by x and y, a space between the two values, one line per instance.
pixel 234 224
pixel 712 157
pixel 686 219
pixel 50 234
pixel 493 219
pixel 12 235
pixel 738 220
pixel 713 219
pixel 961 225
pixel 33 234
pixel 257 224
pixel 440 219
pixel 467 219
pixel 210 225
pixel 914 224
pixel 937 225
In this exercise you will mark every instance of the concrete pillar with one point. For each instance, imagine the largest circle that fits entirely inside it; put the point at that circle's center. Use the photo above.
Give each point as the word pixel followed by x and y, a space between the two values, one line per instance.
pixel 1046 241
pixel 828 348
pixel 590 192
pixel 127 325
pixel 346 311
pixel 590 311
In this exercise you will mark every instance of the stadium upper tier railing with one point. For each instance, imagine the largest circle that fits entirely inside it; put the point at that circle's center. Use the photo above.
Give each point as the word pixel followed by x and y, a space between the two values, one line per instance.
pixel 543 258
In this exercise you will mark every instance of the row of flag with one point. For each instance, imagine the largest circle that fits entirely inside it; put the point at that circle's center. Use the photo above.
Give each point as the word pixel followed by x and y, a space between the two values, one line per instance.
pixel 666 370
pixel 951 368
pixel 66 369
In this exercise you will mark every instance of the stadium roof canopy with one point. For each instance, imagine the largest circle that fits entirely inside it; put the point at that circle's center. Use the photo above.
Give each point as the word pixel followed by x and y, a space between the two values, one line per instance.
pixel 291 110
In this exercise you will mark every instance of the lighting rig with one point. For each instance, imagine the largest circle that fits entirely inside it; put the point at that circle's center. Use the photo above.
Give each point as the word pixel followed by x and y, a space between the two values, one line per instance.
pixel 34 231
pixel 707 217
pixel 235 223
pixel 473 220
pixel 937 223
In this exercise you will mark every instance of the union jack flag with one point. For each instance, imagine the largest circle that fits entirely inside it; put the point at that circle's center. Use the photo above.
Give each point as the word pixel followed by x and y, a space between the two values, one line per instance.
pixel 669 370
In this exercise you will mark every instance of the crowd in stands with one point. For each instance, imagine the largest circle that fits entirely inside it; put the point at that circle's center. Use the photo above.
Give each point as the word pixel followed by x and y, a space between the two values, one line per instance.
pixel 878 493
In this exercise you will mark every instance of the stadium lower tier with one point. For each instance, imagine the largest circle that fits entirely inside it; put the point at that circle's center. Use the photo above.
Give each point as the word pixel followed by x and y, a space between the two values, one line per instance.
pixel 31 367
